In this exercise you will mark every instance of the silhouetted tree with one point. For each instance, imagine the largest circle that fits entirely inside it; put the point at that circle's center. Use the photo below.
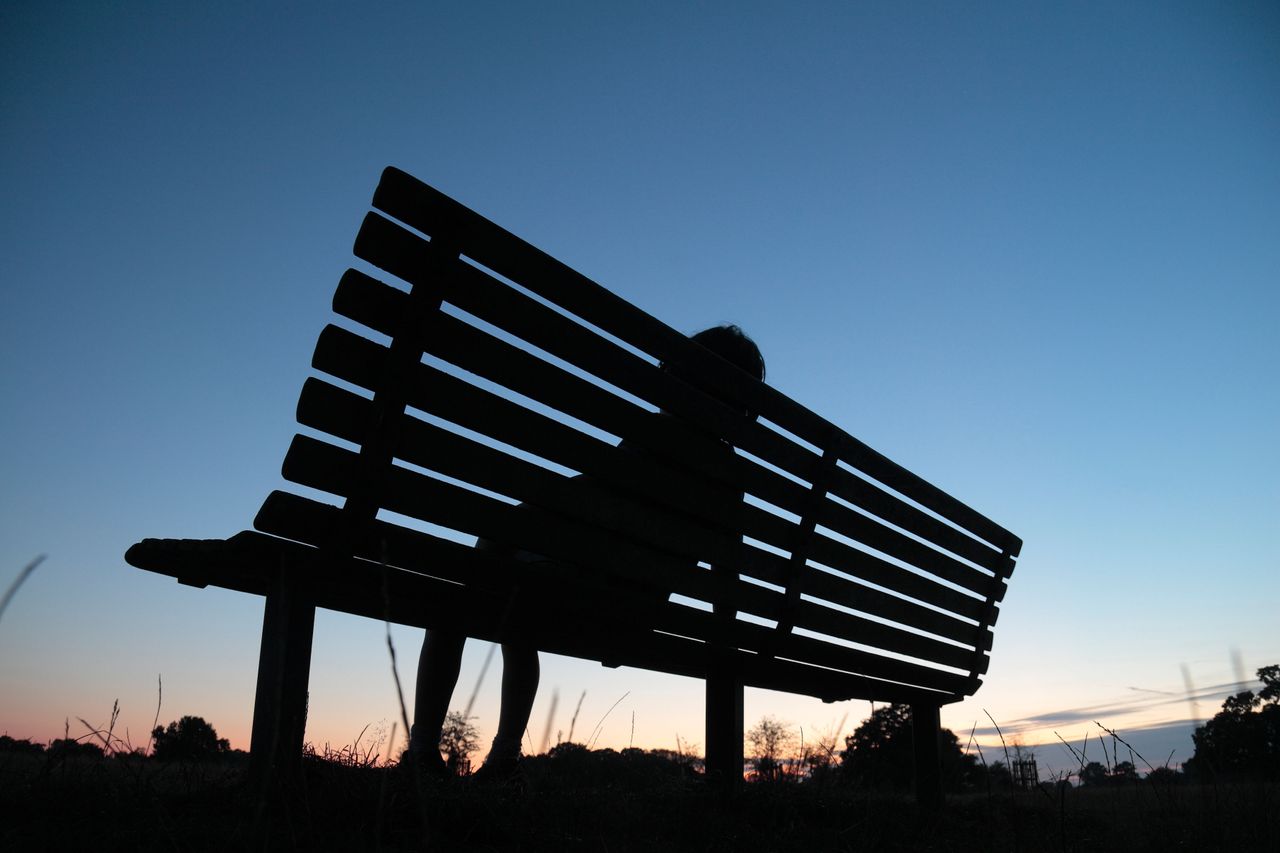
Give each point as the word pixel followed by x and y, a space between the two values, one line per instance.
pixel 1124 772
pixel 1164 776
pixel 25 745
pixel 879 750
pixel 819 759
pixel 1093 774
pixel 686 758
pixel 880 753
pixel 458 740
pixel 769 740
pixel 67 747
pixel 991 776
pixel 188 739
pixel 1244 737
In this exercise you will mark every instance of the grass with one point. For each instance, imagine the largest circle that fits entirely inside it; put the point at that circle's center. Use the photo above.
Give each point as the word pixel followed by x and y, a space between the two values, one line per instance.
pixel 576 799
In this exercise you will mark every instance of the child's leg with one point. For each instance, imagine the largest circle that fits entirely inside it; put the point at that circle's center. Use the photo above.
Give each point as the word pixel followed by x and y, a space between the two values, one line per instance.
pixel 520 673
pixel 438 666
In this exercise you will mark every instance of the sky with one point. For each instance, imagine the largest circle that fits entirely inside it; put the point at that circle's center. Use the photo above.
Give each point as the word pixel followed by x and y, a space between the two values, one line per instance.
pixel 1029 251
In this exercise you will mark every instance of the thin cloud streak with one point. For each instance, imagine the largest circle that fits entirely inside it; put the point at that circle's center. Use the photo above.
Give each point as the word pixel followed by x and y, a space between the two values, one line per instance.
pixel 1067 717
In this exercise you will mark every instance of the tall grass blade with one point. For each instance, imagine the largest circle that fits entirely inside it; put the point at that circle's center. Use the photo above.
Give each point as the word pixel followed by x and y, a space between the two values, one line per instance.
pixel 574 721
pixel 18 581
pixel 475 691
pixel 551 714
pixel 1007 762
pixel 597 731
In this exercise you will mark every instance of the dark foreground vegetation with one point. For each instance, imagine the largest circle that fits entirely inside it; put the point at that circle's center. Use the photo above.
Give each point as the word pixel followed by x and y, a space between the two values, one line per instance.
pixel 573 799
pixel 187 790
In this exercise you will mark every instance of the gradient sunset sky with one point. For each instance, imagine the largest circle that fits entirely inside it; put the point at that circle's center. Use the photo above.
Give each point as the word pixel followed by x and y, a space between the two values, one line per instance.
pixel 1030 252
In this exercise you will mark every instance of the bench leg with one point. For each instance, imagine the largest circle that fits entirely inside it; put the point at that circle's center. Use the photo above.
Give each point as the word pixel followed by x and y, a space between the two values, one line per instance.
pixel 284 666
pixel 724 729
pixel 926 731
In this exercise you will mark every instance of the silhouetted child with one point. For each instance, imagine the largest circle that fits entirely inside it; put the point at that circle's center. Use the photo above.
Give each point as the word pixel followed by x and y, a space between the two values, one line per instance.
pixel 441 656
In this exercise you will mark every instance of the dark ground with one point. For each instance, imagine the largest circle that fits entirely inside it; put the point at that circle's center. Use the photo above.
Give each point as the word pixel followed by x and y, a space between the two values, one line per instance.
pixel 592 802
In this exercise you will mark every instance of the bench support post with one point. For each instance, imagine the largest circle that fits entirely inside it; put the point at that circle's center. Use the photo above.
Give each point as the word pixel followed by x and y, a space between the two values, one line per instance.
pixel 724 729
pixel 284 667
pixel 926 731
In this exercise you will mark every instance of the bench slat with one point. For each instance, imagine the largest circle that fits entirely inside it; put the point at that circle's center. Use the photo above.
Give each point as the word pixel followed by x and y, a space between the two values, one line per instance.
pixel 358 360
pixel 431 212
pixel 483 297
pixel 862 494
pixel 837 555
pixel 753 438
pixel 344 414
pixel 305 520
pixel 571 532
pixel 398 251
pixel 322 466
pixel 758 638
pixel 846 593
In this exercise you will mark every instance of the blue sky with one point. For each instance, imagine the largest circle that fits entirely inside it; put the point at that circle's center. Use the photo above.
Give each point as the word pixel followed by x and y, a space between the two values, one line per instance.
pixel 1030 252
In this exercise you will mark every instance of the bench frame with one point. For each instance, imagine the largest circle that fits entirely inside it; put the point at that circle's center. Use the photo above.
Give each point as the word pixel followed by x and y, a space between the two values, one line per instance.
pixel 946 570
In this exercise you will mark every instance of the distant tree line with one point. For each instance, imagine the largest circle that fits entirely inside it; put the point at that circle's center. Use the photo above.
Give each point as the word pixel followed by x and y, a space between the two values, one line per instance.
pixel 1243 739
pixel 878 754
pixel 187 739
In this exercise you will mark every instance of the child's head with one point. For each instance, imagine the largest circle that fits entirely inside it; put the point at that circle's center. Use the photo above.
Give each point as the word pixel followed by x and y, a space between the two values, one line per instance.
pixel 732 344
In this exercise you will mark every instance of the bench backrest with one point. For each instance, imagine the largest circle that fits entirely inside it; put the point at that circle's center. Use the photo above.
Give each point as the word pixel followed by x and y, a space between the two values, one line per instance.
pixel 839 574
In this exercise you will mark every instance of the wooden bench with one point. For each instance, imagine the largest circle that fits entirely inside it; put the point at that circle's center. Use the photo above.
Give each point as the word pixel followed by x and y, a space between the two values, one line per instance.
pixel 485 395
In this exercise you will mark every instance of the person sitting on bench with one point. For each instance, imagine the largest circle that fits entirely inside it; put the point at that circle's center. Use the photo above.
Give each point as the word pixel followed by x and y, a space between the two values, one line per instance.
pixel 441 657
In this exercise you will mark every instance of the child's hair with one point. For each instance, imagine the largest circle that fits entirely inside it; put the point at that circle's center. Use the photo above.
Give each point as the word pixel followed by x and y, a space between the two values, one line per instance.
pixel 732 344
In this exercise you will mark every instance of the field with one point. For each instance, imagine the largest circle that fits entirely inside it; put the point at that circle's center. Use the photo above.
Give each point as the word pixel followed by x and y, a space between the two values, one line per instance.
pixel 600 801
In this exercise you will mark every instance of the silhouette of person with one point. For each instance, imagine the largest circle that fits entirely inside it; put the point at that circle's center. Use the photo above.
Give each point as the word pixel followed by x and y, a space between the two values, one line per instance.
pixel 441 657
